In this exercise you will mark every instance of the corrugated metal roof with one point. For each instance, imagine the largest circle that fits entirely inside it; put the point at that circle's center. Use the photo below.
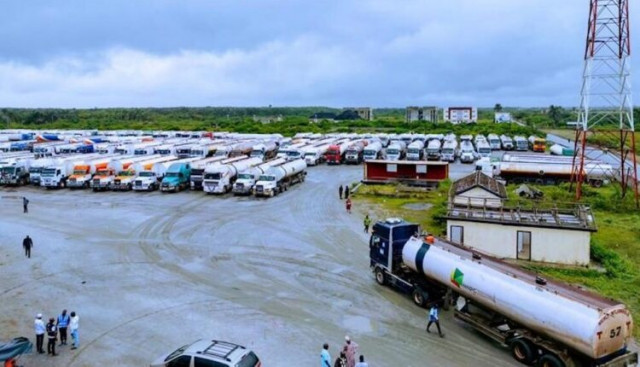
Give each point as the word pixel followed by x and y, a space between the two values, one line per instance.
pixel 479 179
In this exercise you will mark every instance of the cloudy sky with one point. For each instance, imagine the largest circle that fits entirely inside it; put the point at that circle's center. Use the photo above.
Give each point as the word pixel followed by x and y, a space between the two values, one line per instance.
pixel 336 53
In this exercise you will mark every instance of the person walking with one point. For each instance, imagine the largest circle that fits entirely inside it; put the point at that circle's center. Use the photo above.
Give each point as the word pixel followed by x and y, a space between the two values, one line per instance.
pixel 351 350
pixel 433 318
pixel 346 191
pixel 348 206
pixel 25 204
pixel 340 191
pixel 341 361
pixel 62 324
pixel 73 327
pixel 367 223
pixel 325 357
pixel 52 334
pixel 40 328
pixel 27 243
pixel 362 363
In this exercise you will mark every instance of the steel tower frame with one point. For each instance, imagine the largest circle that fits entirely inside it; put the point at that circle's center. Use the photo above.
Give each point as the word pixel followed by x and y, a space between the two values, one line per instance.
pixel 606 95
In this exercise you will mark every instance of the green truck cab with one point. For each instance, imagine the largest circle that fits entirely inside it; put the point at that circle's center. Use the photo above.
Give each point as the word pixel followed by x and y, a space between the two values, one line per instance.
pixel 176 178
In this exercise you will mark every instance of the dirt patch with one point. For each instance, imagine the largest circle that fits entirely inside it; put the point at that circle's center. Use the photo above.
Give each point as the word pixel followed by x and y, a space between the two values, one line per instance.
pixel 417 206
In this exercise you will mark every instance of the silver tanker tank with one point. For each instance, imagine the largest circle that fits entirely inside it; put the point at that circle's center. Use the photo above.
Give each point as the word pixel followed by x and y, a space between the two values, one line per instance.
pixel 590 324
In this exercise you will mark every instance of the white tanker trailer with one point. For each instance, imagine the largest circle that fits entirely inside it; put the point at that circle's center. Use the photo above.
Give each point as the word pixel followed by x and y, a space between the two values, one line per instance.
pixel 549 172
pixel 544 322
pixel 278 179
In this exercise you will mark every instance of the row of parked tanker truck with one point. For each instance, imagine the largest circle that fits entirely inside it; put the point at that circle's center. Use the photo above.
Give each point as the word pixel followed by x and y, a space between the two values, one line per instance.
pixel 215 166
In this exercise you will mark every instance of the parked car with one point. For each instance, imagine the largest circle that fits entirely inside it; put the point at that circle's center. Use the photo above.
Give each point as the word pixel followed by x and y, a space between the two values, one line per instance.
pixel 209 353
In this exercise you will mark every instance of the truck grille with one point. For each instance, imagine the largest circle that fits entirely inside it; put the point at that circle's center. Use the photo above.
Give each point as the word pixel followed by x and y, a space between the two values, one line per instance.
pixel 96 182
pixel 117 182
pixel 138 183
pixel 259 188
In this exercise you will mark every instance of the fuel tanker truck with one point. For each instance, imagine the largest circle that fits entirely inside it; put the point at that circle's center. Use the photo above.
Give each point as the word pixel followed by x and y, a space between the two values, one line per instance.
pixel 219 178
pixel 247 179
pixel 278 179
pixel 542 321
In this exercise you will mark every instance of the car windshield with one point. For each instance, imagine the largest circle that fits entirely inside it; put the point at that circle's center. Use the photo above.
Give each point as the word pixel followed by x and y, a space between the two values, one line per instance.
pixel 146 174
pixel 35 170
pixel 351 152
pixel 172 174
pixel 267 178
pixel 125 173
pixel 249 360
pixel 392 151
pixel 447 151
pixel 256 153
pixel 177 352
pixel 310 155
pixel 245 176
pixel 78 172
pixel 293 153
pixel 48 171
pixel 414 151
pixel 485 150
pixel 212 176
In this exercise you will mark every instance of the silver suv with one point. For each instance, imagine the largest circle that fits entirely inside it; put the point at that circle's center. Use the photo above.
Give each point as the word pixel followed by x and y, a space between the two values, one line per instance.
pixel 209 353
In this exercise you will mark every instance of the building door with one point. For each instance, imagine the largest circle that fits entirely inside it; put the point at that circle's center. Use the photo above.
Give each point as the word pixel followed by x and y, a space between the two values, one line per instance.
pixel 456 234
pixel 524 246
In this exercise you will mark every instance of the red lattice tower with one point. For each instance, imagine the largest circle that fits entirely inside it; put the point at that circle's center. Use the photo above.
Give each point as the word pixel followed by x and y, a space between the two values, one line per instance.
pixel 606 102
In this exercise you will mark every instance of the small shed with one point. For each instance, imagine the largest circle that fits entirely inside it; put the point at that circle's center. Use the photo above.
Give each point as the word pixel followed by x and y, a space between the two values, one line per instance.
pixel 477 190
pixel 419 173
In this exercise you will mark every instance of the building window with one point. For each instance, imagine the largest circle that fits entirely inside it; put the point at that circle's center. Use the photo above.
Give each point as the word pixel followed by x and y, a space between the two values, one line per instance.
pixel 421 168
pixel 456 234
pixel 392 168
pixel 524 246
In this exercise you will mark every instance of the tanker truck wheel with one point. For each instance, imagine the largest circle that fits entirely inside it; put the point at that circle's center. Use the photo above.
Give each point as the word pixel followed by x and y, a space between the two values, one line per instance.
pixel 550 360
pixel 522 351
pixel 380 277
pixel 419 297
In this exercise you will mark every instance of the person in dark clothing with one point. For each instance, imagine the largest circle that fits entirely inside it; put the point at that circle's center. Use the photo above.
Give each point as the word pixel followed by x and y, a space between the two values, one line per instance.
pixel 62 324
pixel 346 191
pixel 433 318
pixel 340 191
pixel 25 204
pixel 341 361
pixel 52 333
pixel 27 243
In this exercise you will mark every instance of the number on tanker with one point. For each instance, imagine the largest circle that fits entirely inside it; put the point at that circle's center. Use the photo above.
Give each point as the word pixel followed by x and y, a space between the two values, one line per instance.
pixel 615 332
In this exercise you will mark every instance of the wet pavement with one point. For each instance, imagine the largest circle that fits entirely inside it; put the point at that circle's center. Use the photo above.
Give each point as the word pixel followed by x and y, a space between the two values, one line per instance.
pixel 149 272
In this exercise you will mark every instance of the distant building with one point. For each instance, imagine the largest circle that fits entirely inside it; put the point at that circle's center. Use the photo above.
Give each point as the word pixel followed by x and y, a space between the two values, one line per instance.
pixel 457 115
pixel 364 113
pixel 477 190
pixel 502 117
pixel 415 113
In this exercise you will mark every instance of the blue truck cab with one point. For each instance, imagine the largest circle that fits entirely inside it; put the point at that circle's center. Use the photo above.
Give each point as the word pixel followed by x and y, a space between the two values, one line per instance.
pixel 387 241
pixel 176 178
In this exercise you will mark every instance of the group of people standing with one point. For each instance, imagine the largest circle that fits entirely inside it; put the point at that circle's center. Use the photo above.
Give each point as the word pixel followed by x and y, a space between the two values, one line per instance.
pixel 346 358
pixel 65 322
pixel 345 191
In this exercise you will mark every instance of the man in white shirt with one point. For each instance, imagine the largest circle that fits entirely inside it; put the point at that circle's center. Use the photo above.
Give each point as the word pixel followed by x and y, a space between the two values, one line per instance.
pixel 73 326
pixel 39 327
pixel 362 363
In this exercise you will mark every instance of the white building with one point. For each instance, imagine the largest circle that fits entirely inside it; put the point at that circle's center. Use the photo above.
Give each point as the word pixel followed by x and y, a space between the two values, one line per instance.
pixel 501 117
pixel 415 113
pixel 458 115
pixel 552 236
